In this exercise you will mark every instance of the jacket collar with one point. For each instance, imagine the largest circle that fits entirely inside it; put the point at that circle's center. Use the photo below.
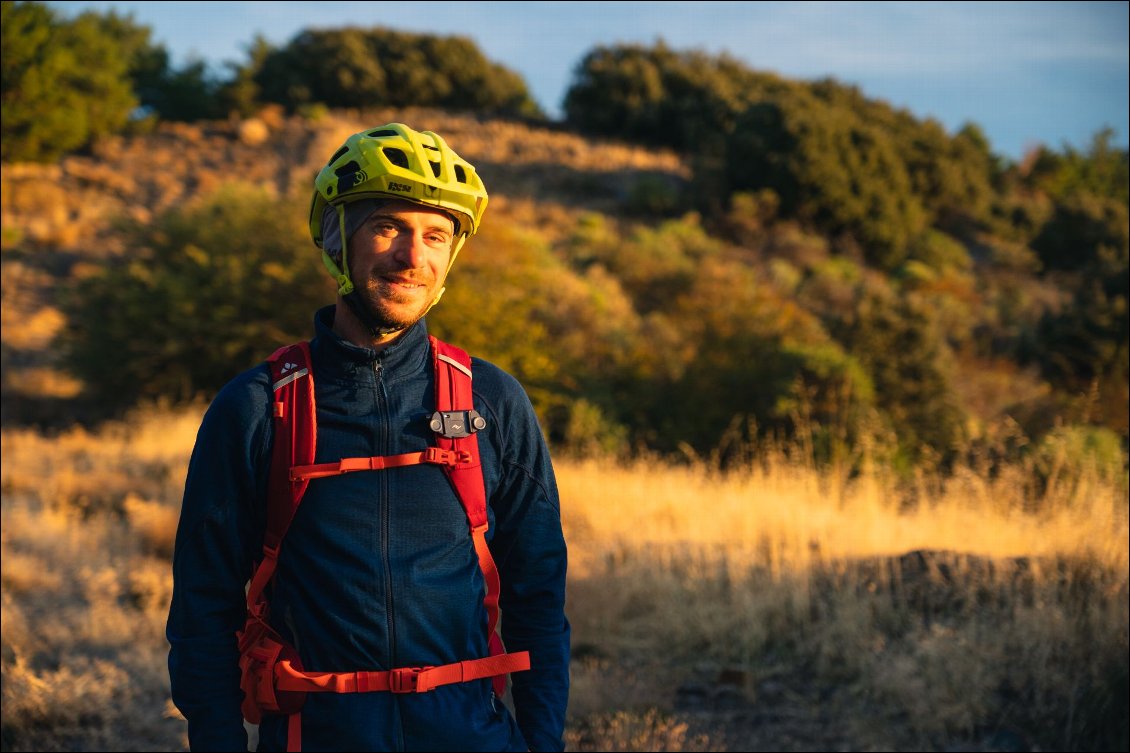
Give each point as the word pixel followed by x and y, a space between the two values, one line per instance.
pixel 409 354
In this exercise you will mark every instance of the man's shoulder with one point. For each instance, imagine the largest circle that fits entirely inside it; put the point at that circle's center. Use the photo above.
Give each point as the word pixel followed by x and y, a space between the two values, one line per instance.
pixel 246 395
pixel 490 379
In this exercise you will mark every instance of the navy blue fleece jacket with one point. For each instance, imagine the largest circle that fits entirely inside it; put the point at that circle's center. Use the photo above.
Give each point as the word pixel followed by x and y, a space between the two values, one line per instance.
pixel 378 570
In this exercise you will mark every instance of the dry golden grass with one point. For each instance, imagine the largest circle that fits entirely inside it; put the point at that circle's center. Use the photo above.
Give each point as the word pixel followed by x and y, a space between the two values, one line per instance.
pixel 790 518
pixel 625 730
pixel 783 587
pixel 87 532
pixel 775 609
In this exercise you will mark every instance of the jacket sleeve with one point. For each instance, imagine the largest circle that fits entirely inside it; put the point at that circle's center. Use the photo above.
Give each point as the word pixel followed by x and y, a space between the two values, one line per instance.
pixel 530 551
pixel 215 543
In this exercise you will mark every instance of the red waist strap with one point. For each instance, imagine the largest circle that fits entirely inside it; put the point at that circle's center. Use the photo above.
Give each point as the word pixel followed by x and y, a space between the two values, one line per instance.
pixel 433 455
pixel 405 680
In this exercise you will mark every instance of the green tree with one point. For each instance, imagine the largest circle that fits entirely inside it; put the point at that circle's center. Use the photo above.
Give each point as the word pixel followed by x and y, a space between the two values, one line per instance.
pixel 952 177
pixel 897 340
pixel 1085 347
pixel 355 67
pixel 851 167
pixel 750 357
pixel 1089 194
pixel 64 83
pixel 1078 228
pixel 333 66
pixel 687 101
pixel 1100 171
pixel 186 94
pixel 183 94
pixel 239 93
pixel 831 169
pixel 207 289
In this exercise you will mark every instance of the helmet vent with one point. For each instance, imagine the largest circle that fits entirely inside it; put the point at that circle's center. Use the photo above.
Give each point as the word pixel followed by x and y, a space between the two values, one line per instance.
pixel 386 132
pixel 435 168
pixel 339 153
pixel 396 157
pixel 460 174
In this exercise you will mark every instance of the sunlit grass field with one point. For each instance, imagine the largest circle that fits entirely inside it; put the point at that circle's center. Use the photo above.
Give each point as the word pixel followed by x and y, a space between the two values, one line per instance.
pixel 776 606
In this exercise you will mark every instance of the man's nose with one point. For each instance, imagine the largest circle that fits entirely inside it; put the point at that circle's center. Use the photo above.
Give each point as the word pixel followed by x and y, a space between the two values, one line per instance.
pixel 411 250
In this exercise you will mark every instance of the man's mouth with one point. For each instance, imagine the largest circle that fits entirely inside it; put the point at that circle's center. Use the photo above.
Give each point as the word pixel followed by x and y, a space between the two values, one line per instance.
pixel 404 282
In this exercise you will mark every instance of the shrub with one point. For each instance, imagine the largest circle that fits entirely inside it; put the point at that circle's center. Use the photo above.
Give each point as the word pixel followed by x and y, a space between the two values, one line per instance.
pixel 208 290
pixel 64 83
pixel 361 68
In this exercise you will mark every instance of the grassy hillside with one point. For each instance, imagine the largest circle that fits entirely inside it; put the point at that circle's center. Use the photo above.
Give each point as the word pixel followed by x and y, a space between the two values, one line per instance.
pixel 63 221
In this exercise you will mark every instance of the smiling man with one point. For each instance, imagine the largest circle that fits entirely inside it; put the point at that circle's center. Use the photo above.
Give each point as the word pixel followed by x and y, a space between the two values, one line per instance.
pixel 362 508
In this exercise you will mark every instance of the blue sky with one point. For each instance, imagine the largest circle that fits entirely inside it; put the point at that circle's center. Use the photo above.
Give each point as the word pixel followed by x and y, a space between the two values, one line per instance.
pixel 1026 72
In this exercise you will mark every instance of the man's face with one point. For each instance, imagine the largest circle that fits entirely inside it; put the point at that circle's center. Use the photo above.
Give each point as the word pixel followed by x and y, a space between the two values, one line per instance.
pixel 398 261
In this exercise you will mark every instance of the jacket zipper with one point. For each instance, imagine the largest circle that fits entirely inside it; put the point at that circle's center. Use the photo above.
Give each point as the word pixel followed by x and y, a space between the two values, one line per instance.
pixel 382 448
pixel 384 504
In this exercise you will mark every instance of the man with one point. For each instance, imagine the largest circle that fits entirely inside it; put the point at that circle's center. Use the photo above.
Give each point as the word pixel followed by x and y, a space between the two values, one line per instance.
pixel 377 583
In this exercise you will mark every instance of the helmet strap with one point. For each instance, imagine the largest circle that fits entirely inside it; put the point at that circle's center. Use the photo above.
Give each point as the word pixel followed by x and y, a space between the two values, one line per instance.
pixel 363 315
pixel 454 252
pixel 340 273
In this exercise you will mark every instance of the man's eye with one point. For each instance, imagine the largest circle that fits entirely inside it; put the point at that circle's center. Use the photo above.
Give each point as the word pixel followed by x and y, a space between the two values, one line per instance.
pixel 387 230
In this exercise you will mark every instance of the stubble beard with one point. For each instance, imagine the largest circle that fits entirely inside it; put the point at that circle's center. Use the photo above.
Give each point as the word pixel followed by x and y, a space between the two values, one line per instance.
pixel 390 309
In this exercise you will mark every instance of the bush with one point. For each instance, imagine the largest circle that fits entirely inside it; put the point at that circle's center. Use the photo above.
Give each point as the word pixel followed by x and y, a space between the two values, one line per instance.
pixel 745 354
pixel 209 290
pixel 364 68
pixel 654 264
pixel 1076 453
pixel 832 169
pixel 898 340
pixel 64 83
pixel 683 100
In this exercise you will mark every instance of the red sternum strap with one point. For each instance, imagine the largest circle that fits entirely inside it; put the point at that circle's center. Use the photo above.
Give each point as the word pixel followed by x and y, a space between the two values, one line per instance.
pixel 433 455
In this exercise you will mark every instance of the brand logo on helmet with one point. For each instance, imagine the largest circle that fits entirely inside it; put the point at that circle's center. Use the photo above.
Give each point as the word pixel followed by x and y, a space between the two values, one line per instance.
pixel 349 175
pixel 393 186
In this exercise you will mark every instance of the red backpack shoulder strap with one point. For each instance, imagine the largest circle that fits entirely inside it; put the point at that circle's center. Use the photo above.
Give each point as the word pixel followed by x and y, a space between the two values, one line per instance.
pixel 455 403
pixel 458 420
pixel 295 432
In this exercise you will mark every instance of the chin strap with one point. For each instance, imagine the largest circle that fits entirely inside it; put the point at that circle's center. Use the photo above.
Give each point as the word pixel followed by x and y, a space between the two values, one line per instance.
pixel 366 319
pixel 340 273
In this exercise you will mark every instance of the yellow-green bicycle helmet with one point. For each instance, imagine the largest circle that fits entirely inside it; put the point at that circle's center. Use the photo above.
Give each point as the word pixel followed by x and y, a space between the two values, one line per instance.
pixel 395 161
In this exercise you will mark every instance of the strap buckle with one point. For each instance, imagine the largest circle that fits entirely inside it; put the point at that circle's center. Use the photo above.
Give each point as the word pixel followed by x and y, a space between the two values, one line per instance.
pixel 441 456
pixel 405 679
